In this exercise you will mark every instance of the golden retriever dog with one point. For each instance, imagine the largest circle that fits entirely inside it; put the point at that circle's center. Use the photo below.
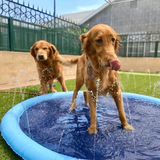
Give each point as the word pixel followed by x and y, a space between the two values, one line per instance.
pixel 49 65
pixel 97 68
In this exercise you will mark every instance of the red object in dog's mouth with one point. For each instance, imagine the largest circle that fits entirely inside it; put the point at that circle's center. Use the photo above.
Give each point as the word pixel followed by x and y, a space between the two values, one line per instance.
pixel 114 65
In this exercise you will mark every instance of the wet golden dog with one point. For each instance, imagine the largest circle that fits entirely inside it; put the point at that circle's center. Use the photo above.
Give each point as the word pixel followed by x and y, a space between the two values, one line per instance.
pixel 49 65
pixel 97 68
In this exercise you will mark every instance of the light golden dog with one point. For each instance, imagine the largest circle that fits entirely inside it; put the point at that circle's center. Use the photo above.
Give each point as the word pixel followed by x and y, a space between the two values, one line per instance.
pixel 97 68
pixel 49 65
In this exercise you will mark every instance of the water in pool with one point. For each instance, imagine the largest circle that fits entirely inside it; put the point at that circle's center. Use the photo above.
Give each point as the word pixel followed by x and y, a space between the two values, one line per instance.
pixel 54 127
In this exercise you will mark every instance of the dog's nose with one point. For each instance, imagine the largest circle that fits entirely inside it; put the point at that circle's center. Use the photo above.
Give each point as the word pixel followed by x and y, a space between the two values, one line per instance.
pixel 40 57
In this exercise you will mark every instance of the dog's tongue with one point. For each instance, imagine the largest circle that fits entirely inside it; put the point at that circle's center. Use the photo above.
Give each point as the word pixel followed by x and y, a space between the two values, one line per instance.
pixel 114 65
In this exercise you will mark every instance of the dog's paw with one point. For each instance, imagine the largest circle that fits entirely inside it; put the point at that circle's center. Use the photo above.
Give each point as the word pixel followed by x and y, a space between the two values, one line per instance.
pixel 53 90
pixel 42 92
pixel 128 127
pixel 92 130
pixel 72 106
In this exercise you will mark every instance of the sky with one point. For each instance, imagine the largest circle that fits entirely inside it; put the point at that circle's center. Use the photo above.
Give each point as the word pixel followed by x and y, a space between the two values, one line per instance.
pixel 65 6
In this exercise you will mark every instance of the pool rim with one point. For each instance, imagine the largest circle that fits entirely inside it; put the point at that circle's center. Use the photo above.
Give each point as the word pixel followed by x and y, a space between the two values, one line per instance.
pixel 27 148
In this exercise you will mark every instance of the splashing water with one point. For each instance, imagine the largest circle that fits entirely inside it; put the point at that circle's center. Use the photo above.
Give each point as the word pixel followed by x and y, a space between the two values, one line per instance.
pixel 111 141
pixel 126 101
pixel 97 98
pixel 65 123
pixel 150 86
pixel 134 80
pixel 130 118
pixel 97 88
pixel 97 94
pixel 155 87
pixel 16 81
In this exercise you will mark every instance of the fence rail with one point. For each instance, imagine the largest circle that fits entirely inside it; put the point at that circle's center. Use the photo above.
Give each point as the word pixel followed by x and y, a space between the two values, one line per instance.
pixel 140 45
pixel 21 26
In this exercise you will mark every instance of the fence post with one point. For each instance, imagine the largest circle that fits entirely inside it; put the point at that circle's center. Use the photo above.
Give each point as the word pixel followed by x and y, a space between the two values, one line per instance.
pixel 156 49
pixel 10 34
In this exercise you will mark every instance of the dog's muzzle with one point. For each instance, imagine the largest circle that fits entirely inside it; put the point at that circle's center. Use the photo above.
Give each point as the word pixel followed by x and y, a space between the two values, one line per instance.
pixel 41 57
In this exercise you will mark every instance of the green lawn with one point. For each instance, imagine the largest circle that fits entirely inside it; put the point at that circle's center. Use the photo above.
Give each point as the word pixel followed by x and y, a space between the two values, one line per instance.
pixel 141 83
pixel 147 84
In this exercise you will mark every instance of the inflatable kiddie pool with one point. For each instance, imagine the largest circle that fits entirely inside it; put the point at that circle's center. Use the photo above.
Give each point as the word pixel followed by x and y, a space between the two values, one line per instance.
pixel 42 128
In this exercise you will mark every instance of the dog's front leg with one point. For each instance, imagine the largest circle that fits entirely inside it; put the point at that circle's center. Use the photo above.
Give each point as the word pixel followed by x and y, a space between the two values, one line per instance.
pixel 51 86
pixel 43 89
pixel 73 104
pixel 62 82
pixel 117 96
pixel 85 94
pixel 93 118
pixel 79 84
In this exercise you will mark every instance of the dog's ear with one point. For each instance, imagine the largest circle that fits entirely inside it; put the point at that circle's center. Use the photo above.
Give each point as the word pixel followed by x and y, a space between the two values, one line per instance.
pixel 52 49
pixel 84 41
pixel 117 44
pixel 32 51
pixel 82 37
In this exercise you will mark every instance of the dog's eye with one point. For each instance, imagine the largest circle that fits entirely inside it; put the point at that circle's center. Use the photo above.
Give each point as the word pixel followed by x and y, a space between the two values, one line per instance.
pixel 36 48
pixel 99 40
pixel 45 48
pixel 113 39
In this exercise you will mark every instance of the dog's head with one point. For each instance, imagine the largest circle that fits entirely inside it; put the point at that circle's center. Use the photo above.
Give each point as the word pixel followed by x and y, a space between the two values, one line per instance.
pixel 43 50
pixel 101 45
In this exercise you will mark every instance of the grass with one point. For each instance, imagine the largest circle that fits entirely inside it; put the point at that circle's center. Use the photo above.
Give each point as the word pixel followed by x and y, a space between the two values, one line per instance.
pixel 141 83
pixel 146 84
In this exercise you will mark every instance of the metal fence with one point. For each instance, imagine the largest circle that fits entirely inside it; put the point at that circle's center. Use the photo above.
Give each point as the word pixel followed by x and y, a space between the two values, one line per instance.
pixel 140 45
pixel 21 26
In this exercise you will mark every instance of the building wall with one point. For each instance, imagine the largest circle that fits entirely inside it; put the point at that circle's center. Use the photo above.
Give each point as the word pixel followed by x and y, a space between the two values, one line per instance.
pixel 130 16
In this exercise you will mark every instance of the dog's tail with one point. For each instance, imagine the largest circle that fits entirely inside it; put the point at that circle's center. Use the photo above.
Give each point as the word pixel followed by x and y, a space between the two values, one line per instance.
pixel 67 62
